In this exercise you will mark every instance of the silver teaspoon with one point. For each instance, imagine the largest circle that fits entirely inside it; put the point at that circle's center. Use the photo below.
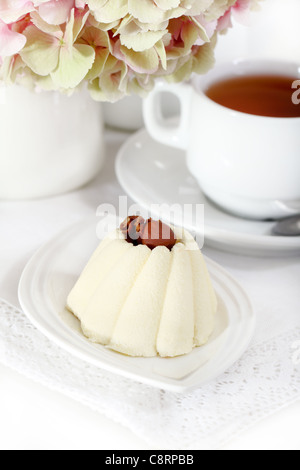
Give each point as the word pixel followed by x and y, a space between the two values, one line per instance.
pixel 289 227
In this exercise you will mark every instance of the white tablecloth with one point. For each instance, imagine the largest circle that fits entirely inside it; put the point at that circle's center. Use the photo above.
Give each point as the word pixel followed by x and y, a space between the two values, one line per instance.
pixel 273 284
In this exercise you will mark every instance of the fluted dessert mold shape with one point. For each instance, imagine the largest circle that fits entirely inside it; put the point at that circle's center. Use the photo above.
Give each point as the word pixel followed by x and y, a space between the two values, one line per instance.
pixel 146 302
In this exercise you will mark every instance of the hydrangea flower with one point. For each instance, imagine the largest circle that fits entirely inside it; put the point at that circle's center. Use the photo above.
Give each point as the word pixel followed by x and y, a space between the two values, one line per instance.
pixel 117 47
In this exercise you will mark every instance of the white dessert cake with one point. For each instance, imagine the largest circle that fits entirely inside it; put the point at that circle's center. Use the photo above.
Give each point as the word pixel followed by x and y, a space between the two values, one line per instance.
pixel 146 300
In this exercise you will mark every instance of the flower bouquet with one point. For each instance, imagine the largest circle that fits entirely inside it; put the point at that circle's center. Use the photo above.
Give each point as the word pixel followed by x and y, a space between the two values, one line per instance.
pixel 116 47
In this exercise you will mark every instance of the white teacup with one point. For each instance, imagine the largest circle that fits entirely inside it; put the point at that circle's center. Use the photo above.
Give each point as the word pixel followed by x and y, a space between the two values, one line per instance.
pixel 247 164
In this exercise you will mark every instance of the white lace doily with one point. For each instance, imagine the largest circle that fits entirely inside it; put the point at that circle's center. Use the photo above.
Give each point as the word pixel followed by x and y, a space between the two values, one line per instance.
pixel 265 379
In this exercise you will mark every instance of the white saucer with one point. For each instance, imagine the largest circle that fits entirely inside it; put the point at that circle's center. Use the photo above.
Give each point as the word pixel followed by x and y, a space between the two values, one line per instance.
pixel 51 274
pixel 152 173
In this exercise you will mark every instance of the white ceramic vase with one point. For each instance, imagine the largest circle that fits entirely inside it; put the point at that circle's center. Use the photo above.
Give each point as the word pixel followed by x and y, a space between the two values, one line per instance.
pixel 49 143
pixel 127 114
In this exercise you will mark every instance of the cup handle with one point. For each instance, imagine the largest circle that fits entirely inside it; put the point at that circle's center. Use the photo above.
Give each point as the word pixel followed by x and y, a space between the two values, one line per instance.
pixel 161 129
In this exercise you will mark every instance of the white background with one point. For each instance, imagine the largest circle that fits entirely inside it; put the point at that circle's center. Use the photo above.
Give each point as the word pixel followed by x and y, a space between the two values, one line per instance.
pixel 33 417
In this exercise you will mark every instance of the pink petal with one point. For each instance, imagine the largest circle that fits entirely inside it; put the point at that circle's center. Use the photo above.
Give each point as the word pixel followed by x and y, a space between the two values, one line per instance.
pixel 13 10
pixel 241 11
pixel 10 42
pixel 225 22
pixel 210 28
pixel 56 11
